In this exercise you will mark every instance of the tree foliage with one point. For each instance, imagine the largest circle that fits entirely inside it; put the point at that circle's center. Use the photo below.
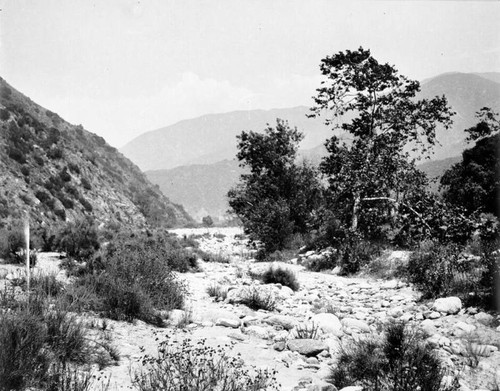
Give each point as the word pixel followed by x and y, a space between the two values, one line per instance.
pixel 277 197
pixel 474 183
pixel 373 172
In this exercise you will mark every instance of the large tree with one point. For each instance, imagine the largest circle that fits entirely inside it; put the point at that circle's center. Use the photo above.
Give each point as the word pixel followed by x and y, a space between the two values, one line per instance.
pixel 276 199
pixel 374 109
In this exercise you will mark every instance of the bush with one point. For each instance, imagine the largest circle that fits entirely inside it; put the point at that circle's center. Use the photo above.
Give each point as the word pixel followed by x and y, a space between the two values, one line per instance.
pixel 323 262
pixel 218 257
pixel 279 275
pixel 357 252
pixel 256 299
pixel 134 279
pixel 400 360
pixel 78 240
pixel 187 365
pixel 446 269
pixel 217 291
pixel 22 358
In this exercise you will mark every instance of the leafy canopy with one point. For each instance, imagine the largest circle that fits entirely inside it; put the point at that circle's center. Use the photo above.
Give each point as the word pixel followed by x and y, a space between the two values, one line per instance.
pixel 377 122
pixel 276 199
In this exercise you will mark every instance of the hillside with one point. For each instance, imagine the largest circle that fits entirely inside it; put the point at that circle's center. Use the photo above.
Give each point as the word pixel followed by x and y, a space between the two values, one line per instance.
pixel 58 171
pixel 212 138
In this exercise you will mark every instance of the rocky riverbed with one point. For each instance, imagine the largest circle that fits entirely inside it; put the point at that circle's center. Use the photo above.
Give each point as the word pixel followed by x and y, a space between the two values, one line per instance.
pixel 341 309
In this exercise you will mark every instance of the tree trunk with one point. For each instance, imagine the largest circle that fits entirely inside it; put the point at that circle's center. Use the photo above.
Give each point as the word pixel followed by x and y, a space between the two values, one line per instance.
pixel 355 211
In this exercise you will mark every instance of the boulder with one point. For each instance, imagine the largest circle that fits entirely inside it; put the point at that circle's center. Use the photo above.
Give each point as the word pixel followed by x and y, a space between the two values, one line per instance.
pixel 448 305
pixel 306 347
pixel 283 321
pixel 351 324
pixel 226 322
pixel 484 318
pixel 328 323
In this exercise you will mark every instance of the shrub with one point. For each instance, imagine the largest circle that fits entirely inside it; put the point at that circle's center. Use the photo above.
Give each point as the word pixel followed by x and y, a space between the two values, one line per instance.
pixel 22 358
pixel 12 246
pixel 256 299
pixel 217 291
pixel 42 196
pixel 443 269
pixel 279 275
pixel 16 154
pixel 79 240
pixel 322 262
pixel 307 331
pixel 218 257
pixel 86 184
pixel 356 253
pixel 400 360
pixel 131 280
pixel 25 171
pixel 86 205
pixel 187 365
pixel 55 153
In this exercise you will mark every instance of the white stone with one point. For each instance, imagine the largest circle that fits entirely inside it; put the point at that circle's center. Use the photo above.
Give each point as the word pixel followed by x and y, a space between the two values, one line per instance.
pixel 328 323
pixel 462 327
pixel 226 322
pixel 352 388
pixel 355 324
pixel 484 318
pixel 448 305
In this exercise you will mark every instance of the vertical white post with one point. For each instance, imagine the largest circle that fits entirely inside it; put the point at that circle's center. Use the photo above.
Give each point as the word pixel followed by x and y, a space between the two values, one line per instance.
pixel 27 236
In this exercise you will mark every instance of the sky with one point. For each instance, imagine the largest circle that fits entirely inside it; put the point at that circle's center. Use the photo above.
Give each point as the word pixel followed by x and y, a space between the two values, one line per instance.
pixel 124 67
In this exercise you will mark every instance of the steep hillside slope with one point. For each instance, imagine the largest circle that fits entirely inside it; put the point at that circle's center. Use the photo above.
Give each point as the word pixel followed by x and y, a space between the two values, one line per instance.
pixel 212 138
pixel 57 171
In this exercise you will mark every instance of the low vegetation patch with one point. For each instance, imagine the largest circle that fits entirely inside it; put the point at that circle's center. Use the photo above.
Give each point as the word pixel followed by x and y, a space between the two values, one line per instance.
pixel 400 360
pixel 195 366
pixel 280 275
pixel 217 291
pixel 258 299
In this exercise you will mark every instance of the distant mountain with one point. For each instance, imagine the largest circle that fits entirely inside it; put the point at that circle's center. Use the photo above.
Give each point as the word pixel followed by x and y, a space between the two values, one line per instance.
pixel 201 188
pixel 494 76
pixel 466 94
pixel 436 168
pixel 212 138
pixel 57 171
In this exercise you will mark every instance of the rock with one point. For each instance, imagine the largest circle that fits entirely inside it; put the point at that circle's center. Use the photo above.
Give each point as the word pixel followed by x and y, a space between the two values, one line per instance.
pixel 279 346
pixel 428 326
pixel 352 388
pixel 328 323
pixel 355 324
pixel 484 318
pixel 321 385
pixel 395 312
pixel 3 273
pixel 257 331
pixel 306 347
pixel 463 328
pixel 284 321
pixel 448 305
pixel 226 322
pixel 238 336
pixel 176 316
pixel 433 315
pixel 334 345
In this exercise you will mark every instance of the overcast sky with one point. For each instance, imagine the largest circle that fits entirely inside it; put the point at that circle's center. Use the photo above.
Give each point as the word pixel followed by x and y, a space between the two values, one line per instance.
pixel 122 67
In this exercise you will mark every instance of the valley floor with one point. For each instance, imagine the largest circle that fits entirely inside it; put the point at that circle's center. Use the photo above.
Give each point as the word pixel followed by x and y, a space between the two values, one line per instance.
pixel 359 304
